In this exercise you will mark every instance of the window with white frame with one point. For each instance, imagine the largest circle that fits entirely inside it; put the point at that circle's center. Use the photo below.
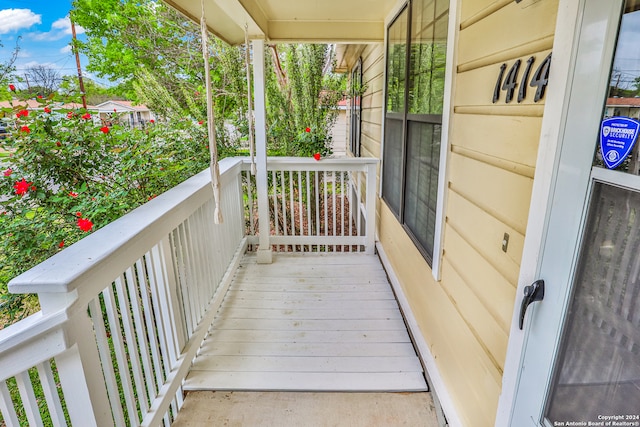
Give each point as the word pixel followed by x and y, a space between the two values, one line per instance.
pixel 416 55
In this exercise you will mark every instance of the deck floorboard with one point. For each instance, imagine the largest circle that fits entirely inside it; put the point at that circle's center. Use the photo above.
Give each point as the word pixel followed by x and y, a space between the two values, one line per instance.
pixel 308 322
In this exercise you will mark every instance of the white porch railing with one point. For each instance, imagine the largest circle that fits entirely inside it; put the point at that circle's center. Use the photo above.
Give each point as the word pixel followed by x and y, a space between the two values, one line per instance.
pixel 318 205
pixel 125 309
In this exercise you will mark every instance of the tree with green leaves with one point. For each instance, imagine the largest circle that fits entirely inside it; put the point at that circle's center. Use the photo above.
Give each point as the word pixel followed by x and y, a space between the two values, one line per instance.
pixel 302 98
pixel 155 53
pixel 95 92
pixel 7 70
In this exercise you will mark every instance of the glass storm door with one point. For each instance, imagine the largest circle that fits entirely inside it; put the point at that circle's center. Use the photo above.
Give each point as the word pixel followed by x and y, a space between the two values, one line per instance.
pixel 581 361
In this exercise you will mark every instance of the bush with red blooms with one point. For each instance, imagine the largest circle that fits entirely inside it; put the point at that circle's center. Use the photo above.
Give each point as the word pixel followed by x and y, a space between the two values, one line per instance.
pixel 63 163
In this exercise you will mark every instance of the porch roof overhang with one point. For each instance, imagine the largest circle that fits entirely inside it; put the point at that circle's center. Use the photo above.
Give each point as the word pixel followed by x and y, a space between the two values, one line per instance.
pixel 286 21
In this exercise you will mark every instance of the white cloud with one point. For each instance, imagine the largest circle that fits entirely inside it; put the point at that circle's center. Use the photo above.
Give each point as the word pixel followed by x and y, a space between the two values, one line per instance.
pixel 30 64
pixel 66 49
pixel 16 19
pixel 59 29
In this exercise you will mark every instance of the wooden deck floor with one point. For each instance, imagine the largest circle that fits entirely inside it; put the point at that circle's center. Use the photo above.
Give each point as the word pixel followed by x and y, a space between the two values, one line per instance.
pixel 308 322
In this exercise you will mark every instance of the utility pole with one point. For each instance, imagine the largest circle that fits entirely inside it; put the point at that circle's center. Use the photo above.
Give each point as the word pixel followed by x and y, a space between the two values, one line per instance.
pixel 75 51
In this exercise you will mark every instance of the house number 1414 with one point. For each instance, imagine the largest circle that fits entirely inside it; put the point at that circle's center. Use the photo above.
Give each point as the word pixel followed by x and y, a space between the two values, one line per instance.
pixel 508 83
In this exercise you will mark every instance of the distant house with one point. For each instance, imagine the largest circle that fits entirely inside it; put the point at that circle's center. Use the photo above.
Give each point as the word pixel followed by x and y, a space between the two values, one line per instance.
pixel 626 107
pixel 137 115
pixel 34 105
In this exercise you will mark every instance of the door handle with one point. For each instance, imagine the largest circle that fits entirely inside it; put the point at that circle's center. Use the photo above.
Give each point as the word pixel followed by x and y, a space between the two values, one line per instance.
pixel 532 293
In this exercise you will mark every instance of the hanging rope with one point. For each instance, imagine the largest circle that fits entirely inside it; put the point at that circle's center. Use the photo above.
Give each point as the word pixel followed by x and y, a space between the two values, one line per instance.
pixel 247 61
pixel 213 148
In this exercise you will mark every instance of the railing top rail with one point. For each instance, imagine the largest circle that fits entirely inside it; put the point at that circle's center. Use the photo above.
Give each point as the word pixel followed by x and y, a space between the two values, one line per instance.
pixel 311 164
pixel 30 341
pixel 115 246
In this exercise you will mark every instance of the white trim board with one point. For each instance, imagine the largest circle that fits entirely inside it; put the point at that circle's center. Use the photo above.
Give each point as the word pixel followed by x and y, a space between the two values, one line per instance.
pixel 439 388
pixel 551 134
pixel 447 108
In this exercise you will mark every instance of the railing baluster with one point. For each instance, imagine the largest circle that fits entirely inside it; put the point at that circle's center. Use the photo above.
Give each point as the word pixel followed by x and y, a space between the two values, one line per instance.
pixel 317 197
pixel 309 218
pixel 131 343
pixel 325 199
pixel 300 209
pixel 165 304
pixel 29 402
pixel 149 318
pixel 274 181
pixel 293 212
pixel 334 207
pixel 104 350
pixel 342 219
pixel 120 352
pixel 252 228
pixel 50 391
pixel 161 316
pixel 192 265
pixel 358 196
pixel 283 192
pixel 141 329
pixel 185 278
pixel 6 406
pixel 208 238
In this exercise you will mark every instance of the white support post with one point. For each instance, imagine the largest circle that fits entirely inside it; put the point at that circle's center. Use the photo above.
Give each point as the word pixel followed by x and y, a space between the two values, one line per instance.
pixel 371 209
pixel 264 248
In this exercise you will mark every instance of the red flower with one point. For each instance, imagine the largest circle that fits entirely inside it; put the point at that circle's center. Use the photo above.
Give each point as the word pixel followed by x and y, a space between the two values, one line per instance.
pixel 25 129
pixel 58 143
pixel 84 224
pixel 33 188
pixel 47 109
pixel 72 194
pixel 69 114
pixel 39 96
pixel 86 116
pixel 115 111
pixel 7 172
pixel 307 130
pixel 12 88
pixel 22 113
pixel 104 130
pixel 200 122
pixel 61 244
pixel 152 121
pixel 316 156
pixel 22 187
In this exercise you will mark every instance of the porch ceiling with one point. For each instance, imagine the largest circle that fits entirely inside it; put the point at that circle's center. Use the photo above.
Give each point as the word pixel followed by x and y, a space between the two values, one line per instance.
pixel 312 21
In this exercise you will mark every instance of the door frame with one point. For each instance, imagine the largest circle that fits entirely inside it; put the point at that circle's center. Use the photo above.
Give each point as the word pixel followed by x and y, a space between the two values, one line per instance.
pixel 549 187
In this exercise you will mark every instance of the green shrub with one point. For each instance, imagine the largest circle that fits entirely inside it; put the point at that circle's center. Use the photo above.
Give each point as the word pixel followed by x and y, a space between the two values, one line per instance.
pixel 69 174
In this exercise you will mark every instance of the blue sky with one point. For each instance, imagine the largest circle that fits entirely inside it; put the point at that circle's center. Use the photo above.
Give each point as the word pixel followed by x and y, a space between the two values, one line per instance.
pixel 45 32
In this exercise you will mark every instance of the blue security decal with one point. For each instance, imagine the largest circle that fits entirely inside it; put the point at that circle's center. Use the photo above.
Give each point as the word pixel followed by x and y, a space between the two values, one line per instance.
pixel 617 137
